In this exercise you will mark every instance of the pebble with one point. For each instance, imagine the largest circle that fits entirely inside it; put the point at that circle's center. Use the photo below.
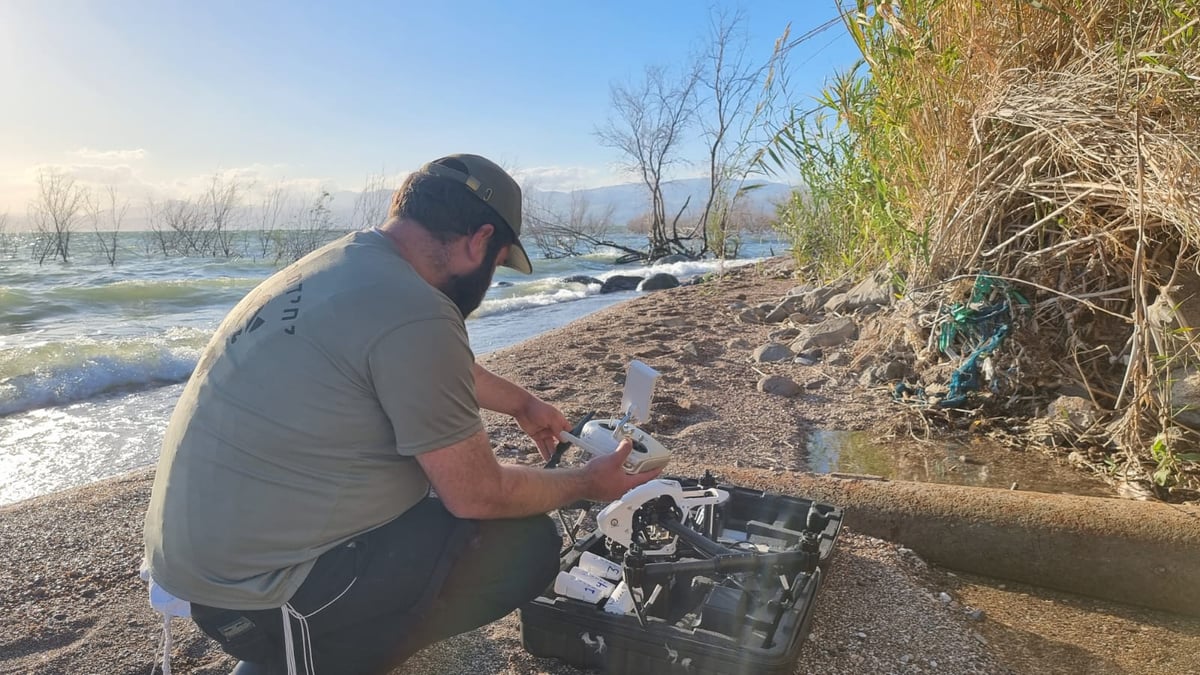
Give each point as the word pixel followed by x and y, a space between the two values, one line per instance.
pixel 839 359
pixel 975 615
pixel 944 597
pixel 748 316
pixel 778 385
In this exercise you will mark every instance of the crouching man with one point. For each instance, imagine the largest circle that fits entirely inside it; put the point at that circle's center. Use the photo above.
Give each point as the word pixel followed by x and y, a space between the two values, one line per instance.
pixel 292 505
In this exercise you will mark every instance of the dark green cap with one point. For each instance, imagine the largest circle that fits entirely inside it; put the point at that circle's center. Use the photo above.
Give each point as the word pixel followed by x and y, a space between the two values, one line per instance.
pixel 487 181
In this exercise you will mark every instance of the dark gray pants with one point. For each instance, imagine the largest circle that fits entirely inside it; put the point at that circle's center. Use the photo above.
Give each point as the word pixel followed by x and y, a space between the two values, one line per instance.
pixel 374 601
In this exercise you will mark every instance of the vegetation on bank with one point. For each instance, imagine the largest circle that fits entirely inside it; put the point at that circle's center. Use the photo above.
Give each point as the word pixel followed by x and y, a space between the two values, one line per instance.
pixel 1050 145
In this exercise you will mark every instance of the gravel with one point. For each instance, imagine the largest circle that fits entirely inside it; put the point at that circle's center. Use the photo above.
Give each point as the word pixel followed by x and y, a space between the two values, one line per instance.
pixel 72 601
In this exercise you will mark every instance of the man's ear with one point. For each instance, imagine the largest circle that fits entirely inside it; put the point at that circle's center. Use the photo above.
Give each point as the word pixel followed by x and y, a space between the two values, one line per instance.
pixel 477 243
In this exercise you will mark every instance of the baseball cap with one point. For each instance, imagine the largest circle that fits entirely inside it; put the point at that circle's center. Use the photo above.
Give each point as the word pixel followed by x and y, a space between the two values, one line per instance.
pixel 492 184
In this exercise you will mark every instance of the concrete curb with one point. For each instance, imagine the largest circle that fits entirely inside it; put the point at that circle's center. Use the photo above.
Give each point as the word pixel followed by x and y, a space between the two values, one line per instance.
pixel 1141 553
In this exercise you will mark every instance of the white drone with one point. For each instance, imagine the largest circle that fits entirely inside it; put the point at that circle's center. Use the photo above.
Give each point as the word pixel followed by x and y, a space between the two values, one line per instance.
pixel 619 519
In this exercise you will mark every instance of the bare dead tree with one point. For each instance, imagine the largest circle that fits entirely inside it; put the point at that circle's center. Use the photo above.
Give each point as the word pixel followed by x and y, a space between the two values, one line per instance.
pixel 6 237
pixel 313 227
pixel 270 216
pixel 371 205
pixel 184 227
pixel 574 230
pixel 161 234
pixel 581 216
pixel 106 218
pixel 54 213
pixel 221 204
pixel 647 126
pixel 735 96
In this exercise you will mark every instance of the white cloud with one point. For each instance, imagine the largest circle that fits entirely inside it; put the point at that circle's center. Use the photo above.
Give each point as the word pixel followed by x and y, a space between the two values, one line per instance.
pixel 566 178
pixel 110 155
pixel 256 181
pixel 139 183
pixel 121 174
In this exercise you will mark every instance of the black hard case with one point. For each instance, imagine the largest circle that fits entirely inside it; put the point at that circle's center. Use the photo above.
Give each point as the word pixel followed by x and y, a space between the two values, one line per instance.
pixel 585 636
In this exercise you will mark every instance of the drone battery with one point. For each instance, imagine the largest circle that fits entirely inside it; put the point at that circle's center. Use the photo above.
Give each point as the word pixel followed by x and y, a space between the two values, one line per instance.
pixel 621 601
pixel 587 589
pixel 600 567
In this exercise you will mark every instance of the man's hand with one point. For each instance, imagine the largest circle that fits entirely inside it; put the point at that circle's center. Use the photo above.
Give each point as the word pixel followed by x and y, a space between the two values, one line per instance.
pixel 543 422
pixel 607 479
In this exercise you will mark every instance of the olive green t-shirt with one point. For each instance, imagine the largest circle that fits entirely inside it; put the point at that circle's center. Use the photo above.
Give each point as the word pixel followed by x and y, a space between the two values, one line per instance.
pixel 299 427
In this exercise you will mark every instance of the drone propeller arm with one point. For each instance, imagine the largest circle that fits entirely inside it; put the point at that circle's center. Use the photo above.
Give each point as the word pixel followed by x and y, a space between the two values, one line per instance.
pixel 703 545
pixel 736 562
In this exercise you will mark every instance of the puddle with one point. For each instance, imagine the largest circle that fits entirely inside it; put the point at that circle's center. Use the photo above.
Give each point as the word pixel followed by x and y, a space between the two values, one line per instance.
pixel 979 463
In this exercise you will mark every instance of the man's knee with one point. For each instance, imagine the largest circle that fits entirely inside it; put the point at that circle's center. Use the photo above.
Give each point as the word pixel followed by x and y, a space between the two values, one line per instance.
pixel 543 535
pixel 536 543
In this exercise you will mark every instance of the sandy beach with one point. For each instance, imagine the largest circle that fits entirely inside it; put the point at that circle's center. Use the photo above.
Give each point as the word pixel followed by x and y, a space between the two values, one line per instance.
pixel 73 603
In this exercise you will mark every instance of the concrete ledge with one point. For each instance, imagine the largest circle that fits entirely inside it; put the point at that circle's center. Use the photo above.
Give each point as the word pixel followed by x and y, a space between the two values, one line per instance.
pixel 1141 553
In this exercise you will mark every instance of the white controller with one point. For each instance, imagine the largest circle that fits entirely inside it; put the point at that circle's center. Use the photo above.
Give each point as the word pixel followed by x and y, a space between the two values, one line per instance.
pixel 601 437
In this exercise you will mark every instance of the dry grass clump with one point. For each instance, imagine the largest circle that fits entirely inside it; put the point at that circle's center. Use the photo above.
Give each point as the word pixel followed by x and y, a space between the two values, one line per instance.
pixel 1084 180
pixel 1054 145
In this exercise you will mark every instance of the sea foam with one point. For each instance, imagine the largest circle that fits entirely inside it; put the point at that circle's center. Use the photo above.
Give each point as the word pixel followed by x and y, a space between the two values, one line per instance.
pixel 36 375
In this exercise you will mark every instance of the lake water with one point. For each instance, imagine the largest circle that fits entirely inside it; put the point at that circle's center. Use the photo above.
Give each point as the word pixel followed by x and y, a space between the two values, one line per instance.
pixel 93 356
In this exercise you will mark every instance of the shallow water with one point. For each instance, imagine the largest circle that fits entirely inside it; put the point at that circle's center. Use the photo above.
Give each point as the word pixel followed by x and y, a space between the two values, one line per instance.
pixel 93 357
pixel 980 463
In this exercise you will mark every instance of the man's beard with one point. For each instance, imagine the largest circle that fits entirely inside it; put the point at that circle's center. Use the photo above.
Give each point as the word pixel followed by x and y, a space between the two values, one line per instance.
pixel 466 291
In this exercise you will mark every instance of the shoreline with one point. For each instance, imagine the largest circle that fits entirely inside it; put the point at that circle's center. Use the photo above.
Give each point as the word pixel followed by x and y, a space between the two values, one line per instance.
pixel 74 603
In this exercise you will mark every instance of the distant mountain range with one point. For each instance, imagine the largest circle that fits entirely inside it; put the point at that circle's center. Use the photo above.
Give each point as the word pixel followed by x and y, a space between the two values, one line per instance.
pixel 628 201
pixel 631 200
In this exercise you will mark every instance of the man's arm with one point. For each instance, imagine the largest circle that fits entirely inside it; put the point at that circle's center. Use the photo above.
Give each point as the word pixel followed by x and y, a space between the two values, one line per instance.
pixel 498 394
pixel 472 484
pixel 542 421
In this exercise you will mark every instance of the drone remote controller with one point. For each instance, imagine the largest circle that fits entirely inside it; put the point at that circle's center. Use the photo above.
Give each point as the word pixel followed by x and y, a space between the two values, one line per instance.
pixel 601 437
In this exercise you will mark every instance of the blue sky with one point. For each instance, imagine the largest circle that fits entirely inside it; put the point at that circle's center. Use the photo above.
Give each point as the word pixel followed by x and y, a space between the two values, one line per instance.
pixel 153 96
